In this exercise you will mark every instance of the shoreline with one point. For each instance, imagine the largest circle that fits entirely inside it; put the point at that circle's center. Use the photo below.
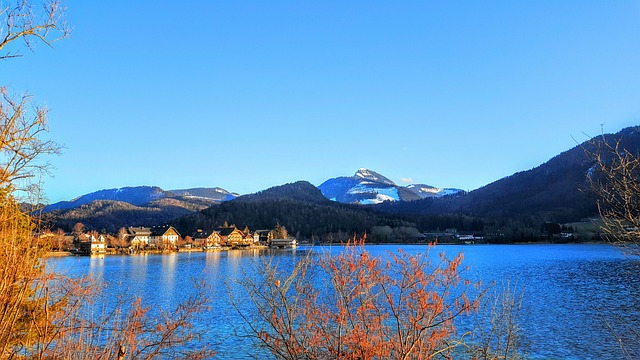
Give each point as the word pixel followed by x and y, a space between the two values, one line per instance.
pixel 162 252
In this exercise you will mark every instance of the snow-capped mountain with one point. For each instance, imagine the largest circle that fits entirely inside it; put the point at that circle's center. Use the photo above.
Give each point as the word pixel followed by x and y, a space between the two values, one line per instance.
pixel 373 177
pixel 136 195
pixel 368 187
pixel 143 195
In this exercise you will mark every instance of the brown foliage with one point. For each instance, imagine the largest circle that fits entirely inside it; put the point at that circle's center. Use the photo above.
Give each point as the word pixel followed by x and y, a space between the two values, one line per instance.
pixel 135 332
pixel 19 268
pixel 44 315
pixel 356 306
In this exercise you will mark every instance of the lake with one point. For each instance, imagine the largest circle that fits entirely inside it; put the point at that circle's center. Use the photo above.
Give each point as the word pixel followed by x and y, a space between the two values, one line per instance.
pixel 574 295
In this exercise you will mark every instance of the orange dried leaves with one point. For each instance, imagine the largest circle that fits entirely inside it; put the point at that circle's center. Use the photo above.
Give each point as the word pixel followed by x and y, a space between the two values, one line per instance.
pixel 370 307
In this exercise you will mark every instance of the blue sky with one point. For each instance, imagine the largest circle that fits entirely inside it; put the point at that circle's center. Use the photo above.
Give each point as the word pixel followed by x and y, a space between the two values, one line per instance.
pixel 251 94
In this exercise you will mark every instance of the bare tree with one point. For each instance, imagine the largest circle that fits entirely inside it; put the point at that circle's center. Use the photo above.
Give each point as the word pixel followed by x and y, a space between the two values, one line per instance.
pixel 44 315
pixel 58 240
pixel 280 232
pixel 22 122
pixel 32 23
pixel 357 306
pixel 121 240
pixel 78 229
pixel 497 334
pixel 615 179
pixel 22 126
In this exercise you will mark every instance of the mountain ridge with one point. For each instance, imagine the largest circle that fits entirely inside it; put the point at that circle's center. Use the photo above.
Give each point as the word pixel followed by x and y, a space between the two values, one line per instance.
pixel 367 187
pixel 554 191
pixel 141 195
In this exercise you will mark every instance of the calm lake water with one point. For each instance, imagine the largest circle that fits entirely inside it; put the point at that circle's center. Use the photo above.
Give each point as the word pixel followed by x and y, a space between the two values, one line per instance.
pixel 574 295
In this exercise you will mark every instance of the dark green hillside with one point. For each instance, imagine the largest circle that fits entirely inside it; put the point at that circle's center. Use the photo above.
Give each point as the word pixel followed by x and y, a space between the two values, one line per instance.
pixel 300 207
pixel 299 191
pixel 554 191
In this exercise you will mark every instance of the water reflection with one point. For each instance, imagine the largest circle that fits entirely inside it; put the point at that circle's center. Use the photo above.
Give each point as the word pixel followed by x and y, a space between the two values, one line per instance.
pixel 574 294
pixel 139 268
pixel 96 267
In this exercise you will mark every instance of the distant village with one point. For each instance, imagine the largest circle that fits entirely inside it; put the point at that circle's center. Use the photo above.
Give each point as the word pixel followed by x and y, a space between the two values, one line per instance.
pixel 166 238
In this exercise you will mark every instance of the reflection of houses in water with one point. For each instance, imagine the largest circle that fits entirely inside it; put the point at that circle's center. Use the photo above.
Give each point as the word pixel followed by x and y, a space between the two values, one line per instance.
pixel 168 275
pixel 96 268
pixel 213 260
pixel 140 268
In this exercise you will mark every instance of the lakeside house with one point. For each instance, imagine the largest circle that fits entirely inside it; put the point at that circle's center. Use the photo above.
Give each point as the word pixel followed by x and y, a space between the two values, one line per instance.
pixel 90 244
pixel 231 236
pixel 262 237
pixel 163 236
pixel 283 243
pixel 138 237
pixel 166 237
pixel 248 238
pixel 206 239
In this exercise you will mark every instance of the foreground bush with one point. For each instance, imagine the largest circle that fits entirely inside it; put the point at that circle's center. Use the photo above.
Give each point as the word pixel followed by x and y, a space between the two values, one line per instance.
pixel 356 306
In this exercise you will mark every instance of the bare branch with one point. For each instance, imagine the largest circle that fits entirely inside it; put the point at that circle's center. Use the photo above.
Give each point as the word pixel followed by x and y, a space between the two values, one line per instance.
pixel 31 24
pixel 22 124
pixel 615 179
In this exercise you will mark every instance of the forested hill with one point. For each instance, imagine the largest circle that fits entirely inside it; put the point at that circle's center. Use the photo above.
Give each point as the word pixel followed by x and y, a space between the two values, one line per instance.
pixel 110 215
pixel 300 207
pixel 555 191
pixel 298 191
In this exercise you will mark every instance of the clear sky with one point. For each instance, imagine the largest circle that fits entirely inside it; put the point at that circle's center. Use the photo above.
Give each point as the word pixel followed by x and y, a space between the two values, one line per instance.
pixel 246 95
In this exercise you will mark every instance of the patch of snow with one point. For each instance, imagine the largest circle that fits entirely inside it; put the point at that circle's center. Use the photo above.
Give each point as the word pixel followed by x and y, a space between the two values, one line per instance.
pixel 366 174
pixel 369 201
pixel 197 197
pixel 388 194
pixel 382 195
pixel 428 189
pixel 360 189
pixel 446 192
pixel 380 198
pixel 363 173
pixel 432 191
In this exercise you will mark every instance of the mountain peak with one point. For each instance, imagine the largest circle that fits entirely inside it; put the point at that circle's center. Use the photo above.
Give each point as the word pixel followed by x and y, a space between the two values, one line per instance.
pixel 369 187
pixel 373 176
